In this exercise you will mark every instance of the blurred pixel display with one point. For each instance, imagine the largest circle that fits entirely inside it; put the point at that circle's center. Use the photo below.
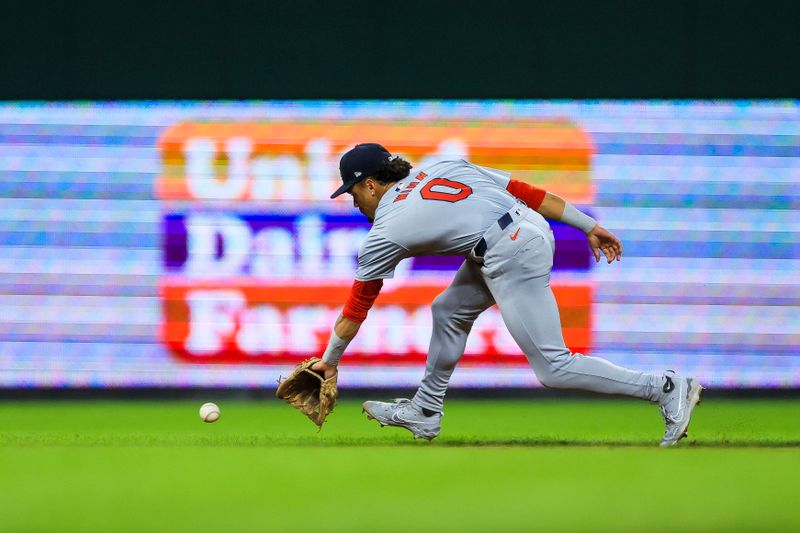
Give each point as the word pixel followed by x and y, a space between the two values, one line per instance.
pixel 195 244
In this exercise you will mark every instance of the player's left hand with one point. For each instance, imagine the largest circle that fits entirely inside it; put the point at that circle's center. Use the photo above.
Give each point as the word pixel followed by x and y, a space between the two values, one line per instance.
pixel 602 240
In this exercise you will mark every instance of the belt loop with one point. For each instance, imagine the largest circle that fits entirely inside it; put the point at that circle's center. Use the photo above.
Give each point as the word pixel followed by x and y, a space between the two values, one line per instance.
pixel 480 248
pixel 505 220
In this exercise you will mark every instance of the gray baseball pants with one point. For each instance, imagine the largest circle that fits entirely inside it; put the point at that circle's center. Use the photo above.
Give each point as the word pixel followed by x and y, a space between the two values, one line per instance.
pixel 515 274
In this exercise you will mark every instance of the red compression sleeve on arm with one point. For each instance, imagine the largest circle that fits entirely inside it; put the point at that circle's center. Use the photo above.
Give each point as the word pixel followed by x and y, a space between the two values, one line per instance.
pixel 362 296
pixel 533 196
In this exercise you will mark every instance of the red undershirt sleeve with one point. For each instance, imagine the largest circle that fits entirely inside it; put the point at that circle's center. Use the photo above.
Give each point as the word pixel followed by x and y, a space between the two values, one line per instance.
pixel 533 196
pixel 362 296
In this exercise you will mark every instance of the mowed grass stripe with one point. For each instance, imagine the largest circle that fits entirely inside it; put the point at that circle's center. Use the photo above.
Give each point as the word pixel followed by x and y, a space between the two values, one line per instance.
pixel 499 466
pixel 397 489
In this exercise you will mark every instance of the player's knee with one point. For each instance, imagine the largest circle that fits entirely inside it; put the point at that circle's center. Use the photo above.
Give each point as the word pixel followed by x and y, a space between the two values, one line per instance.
pixel 548 380
pixel 552 376
pixel 447 313
pixel 443 308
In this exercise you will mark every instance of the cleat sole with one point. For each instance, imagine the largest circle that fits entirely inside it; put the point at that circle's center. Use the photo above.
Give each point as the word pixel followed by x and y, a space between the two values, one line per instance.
pixel 695 401
pixel 370 417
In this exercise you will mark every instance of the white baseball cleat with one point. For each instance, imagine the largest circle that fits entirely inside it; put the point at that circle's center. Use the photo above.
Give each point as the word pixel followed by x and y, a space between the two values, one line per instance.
pixel 402 413
pixel 682 395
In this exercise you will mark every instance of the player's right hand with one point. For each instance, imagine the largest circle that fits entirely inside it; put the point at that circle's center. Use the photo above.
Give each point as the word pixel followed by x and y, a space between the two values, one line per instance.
pixel 324 368
pixel 602 240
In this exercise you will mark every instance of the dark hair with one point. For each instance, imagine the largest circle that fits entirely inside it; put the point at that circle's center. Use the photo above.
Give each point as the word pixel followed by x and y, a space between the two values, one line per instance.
pixel 392 170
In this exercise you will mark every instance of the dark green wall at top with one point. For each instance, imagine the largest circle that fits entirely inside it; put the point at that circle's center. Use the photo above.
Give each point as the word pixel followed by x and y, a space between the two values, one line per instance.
pixel 406 49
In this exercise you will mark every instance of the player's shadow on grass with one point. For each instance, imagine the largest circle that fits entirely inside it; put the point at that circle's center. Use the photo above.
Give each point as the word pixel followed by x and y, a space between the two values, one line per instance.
pixel 394 441
pixel 544 443
pixel 540 442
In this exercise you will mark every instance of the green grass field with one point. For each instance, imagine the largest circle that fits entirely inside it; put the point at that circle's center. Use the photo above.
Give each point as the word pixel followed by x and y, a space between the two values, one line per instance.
pixel 523 465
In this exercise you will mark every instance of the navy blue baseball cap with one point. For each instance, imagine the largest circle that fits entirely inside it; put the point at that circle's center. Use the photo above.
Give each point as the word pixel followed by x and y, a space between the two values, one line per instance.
pixel 360 163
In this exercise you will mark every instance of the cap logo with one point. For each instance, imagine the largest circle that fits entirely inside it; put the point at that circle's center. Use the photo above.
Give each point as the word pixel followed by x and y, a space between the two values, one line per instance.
pixel 357 174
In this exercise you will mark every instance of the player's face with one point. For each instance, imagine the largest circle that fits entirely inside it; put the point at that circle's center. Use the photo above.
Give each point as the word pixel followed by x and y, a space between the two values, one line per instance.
pixel 365 199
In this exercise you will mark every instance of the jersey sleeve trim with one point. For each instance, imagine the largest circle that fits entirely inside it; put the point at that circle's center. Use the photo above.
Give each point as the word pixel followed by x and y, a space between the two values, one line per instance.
pixel 533 196
pixel 362 296
pixel 375 277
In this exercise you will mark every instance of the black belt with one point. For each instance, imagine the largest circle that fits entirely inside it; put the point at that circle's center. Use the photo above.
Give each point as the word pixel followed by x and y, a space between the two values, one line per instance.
pixel 503 222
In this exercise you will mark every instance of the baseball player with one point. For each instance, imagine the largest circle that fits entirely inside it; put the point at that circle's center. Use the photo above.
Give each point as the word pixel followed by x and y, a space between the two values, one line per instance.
pixel 498 224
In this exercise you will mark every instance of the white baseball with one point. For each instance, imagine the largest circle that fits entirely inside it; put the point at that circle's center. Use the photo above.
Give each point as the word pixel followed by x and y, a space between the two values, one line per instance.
pixel 209 412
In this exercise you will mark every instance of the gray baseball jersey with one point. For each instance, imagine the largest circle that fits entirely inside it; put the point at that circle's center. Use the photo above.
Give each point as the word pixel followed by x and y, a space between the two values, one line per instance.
pixel 447 209
pixel 443 210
